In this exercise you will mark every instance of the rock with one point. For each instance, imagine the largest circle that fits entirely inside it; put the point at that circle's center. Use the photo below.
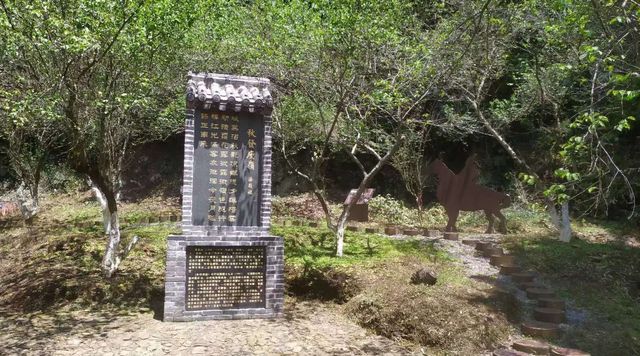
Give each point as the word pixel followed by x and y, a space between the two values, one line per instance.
pixel 549 315
pixel 561 351
pixel 540 329
pixel 508 352
pixel 480 246
pixel 531 346
pixel 492 251
pixel 412 232
pixel 391 230
pixel 424 276
pixel 509 269
pixel 499 260
pixel 452 236
pixel 552 303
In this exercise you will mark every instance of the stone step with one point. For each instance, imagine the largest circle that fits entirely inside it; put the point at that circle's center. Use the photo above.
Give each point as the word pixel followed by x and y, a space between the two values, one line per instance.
pixel 371 230
pixel 452 236
pixel 549 315
pixel 471 243
pixel 527 285
pixel 391 230
pixel 508 352
pixel 523 277
pixel 480 246
pixel 432 233
pixel 537 293
pixel 501 292
pixel 534 347
pixel 490 251
pixel 562 351
pixel 554 303
pixel 510 269
pixel 540 329
pixel 411 232
pixel 499 260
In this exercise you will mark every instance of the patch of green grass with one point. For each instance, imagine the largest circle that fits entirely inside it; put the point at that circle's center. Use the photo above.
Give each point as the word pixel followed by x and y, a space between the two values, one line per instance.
pixel 603 279
pixel 316 246
pixel 76 213
pixel 604 227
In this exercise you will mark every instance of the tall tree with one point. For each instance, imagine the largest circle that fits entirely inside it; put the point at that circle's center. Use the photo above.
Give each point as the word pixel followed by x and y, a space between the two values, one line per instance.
pixel 532 74
pixel 342 72
pixel 111 68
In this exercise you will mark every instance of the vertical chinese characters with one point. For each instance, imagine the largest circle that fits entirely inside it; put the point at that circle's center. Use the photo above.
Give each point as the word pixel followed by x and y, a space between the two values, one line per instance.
pixel 219 134
pixel 251 159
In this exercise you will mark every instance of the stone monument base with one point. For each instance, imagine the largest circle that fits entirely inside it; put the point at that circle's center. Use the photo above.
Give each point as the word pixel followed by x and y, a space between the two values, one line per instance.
pixel 224 277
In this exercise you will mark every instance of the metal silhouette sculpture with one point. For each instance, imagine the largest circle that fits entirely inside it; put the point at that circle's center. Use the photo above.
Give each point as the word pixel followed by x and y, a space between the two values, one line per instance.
pixel 461 192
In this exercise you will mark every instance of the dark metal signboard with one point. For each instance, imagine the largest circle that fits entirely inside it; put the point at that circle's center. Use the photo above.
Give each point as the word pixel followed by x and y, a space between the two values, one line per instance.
pixel 360 209
pixel 227 168
pixel 225 277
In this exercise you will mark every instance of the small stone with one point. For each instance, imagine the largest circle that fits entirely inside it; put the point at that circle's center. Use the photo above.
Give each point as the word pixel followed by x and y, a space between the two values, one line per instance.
pixel 424 276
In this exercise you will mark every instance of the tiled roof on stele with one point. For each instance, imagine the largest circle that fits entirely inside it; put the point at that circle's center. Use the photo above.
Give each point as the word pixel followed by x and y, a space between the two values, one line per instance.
pixel 228 93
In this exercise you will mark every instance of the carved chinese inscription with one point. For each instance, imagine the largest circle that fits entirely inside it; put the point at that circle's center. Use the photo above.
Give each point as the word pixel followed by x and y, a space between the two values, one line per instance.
pixel 225 277
pixel 226 179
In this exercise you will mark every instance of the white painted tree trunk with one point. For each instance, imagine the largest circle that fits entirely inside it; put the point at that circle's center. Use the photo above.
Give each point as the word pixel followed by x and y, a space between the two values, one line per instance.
pixel 111 260
pixel 27 202
pixel 565 228
pixel 106 216
pixel 340 233
pixel 553 215
pixel 561 220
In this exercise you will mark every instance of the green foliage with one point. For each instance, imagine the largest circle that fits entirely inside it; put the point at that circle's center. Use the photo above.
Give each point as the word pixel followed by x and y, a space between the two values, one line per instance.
pixel 315 247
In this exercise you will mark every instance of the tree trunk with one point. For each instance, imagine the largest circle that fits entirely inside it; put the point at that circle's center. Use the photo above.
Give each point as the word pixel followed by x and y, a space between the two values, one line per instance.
pixel 340 236
pixel 111 260
pixel 565 229
pixel 106 215
pixel 553 214
pixel 342 220
pixel 28 203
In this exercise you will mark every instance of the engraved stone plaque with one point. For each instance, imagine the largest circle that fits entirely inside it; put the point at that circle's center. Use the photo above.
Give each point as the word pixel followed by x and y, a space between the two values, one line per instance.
pixel 225 277
pixel 227 168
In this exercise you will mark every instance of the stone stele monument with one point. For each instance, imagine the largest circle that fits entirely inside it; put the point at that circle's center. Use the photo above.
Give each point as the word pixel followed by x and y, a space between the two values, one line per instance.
pixel 225 264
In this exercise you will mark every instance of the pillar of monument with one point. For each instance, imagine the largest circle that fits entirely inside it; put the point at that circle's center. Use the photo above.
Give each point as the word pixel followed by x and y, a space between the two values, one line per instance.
pixel 225 264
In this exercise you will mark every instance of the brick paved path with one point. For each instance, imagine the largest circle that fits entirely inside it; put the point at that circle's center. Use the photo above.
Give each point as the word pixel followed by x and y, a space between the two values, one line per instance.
pixel 309 329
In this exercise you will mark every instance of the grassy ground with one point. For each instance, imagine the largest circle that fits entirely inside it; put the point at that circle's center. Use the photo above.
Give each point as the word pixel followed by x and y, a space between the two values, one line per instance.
pixel 54 265
pixel 372 280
